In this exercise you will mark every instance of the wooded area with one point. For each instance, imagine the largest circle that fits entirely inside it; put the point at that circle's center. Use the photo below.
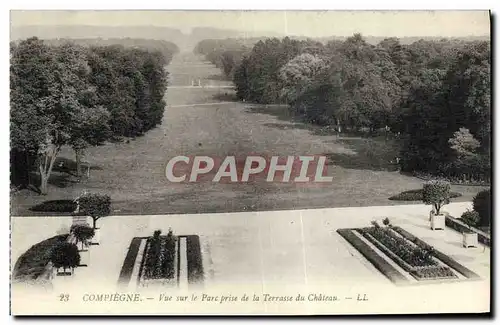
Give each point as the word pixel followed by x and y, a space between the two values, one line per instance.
pixel 80 96
pixel 436 95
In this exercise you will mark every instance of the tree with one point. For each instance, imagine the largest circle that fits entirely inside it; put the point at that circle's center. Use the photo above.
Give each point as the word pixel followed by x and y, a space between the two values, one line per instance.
pixel 82 234
pixel 426 124
pixel 464 143
pixel 368 84
pixel 91 126
pixel 91 129
pixel 450 90
pixel 131 85
pixel 468 83
pixel 95 205
pixel 65 255
pixel 299 74
pixel 31 80
pixel 260 69
pixel 49 101
pixel 436 193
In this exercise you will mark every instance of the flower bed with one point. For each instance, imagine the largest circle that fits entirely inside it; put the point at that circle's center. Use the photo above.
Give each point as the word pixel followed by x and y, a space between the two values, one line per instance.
pixel 438 272
pixel 159 259
pixel 417 260
pixel 137 252
pixel 409 253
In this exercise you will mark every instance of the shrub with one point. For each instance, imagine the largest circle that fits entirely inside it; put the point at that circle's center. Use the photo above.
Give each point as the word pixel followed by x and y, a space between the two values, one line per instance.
pixel 194 259
pixel 417 195
pixel 436 193
pixel 386 222
pixel 482 204
pixel 82 233
pixel 55 206
pixel 470 218
pixel 65 255
pixel 33 262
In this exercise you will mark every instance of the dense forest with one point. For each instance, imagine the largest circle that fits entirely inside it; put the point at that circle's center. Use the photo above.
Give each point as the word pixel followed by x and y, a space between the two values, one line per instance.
pixel 67 94
pixel 434 94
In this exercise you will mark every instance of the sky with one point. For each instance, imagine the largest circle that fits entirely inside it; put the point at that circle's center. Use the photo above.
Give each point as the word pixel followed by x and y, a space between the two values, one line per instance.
pixel 300 23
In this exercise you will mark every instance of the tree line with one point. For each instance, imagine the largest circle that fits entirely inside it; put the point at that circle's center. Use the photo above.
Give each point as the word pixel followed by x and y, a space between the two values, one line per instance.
pixel 435 94
pixel 166 48
pixel 79 96
pixel 225 54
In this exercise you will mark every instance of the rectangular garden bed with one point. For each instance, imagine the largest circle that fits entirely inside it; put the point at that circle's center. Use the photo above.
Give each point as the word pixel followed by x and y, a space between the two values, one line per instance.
pixel 419 262
pixel 160 262
pixel 163 261
pixel 413 256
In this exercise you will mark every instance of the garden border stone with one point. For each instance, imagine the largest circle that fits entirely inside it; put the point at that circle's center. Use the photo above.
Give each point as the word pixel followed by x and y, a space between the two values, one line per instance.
pixel 373 257
pixel 129 262
pixel 438 254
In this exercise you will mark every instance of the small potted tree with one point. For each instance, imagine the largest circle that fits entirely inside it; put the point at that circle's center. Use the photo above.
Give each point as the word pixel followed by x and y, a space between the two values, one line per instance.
pixel 96 206
pixel 83 234
pixel 471 219
pixel 436 193
pixel 66 256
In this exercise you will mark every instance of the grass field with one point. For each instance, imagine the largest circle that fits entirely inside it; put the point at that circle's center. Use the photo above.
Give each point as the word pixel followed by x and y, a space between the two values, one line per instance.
pixel 204 121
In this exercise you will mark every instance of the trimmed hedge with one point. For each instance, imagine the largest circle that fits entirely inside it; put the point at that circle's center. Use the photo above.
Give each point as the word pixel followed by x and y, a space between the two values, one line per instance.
pixel 373 257
pixel 129 262
pixel 482 204
pixel 416 195
pixel 33 262
pixel 67 206
pixel 194 260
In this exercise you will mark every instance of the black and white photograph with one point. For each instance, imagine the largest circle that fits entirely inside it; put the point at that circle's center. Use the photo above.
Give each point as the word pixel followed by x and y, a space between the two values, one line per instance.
pixel 250 162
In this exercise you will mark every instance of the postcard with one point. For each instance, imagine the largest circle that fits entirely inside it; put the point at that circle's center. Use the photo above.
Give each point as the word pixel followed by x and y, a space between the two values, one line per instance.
pixel 250 162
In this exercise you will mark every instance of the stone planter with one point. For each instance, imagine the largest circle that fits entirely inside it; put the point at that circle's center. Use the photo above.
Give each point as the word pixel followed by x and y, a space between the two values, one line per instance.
pixel 470 239
pixel 438 221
